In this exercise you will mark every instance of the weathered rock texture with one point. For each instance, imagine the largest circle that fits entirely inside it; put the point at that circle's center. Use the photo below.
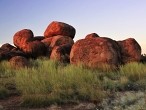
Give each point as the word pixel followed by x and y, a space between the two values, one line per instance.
pixel 61 53
pixel 57 44
pixel 30 45
pixel 19 61
pixel 22 37
pixel 8 51
pixel 34 49
pixel 61 40
pixel 96 52
pixel 59 28
pixel 92 35
pixel 130 50
pixel 7 47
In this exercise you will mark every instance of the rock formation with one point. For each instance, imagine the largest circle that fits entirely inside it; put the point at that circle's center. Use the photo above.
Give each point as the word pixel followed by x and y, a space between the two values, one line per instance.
pixel 18 62
pixel 57 44
pixel 130 50
pixel 59 28
pixel 96 52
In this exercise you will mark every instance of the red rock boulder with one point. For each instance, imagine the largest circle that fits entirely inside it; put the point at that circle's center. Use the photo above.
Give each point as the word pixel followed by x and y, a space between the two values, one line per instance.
pixel 130 50
pixel 22 37
pixel 59 28
pixel 61 40
pixel 34 49
pixel 95 53
pixel 19 62
pixel 7 46
pixel 47 41
pixel 7 53
pixel 61 53
pixel 92 35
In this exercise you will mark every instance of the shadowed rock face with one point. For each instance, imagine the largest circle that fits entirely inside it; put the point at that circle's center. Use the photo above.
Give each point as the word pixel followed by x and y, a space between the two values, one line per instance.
pixel 38 38
pixel 19 61
pixel 95 52
pixel 34 49
pixel 130 50
pixel 92 35
pixel 22 37
pixel 61 53
pixel 61 40
pixel 59 28
pixel 7 46
pixel 8 51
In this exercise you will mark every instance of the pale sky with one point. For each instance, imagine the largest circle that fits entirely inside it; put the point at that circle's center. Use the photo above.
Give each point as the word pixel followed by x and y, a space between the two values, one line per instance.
pixel 116 19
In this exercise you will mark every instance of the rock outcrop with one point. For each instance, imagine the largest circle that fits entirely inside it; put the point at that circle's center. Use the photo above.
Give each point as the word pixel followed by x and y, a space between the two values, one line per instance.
pixel 19 62
pixel 57 44
pixel 96 52
pixel 61 53
pixel 59 28
pixel 61 40
pixel 22 37
pixel 130 50
pixel 92 35
pixel 34 49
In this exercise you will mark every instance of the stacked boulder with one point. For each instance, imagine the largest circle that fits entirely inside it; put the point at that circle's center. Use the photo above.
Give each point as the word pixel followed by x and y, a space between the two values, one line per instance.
pixel 59 36
pixel 57 43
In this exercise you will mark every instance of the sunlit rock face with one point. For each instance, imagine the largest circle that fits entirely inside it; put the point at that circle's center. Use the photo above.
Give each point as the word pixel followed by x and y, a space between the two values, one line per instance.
pixel 96 52
pixel 30 45
pixel 59 28
pixel 21 37
pixel 130 50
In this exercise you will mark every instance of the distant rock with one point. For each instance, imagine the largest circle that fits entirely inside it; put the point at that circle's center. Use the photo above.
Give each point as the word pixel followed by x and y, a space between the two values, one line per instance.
pixel 92 35
pixel 130 50
pixel 59 28
pixel 95 53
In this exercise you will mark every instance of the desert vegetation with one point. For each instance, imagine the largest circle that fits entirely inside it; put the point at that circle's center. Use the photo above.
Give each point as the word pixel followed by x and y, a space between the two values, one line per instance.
pixel 53 69
pixel 49 82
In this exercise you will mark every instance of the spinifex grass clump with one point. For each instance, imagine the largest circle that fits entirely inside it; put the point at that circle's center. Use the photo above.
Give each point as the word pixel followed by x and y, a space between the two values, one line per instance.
pixel 51 82
pixel 7 75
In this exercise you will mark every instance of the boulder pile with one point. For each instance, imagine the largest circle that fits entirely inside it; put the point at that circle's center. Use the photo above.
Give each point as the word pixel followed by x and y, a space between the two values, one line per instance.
pixel 57 43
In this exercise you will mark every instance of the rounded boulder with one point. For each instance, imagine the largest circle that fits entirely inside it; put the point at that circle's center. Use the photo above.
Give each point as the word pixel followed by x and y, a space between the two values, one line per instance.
pixel 59 28
pixel 22 37
pixel 61 40
pixel 130 50
pixel 34 49
pixel 18 62
pixel 95 53
pixel 92 35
